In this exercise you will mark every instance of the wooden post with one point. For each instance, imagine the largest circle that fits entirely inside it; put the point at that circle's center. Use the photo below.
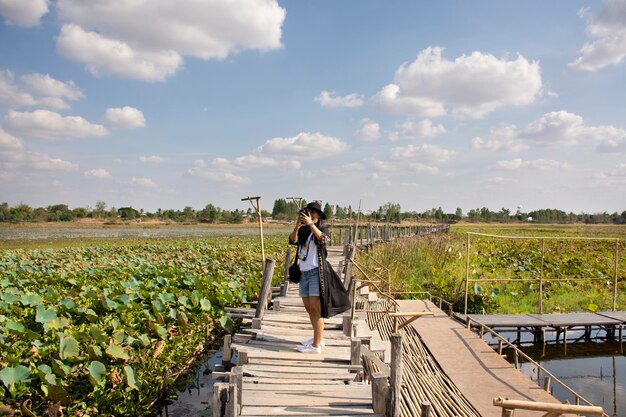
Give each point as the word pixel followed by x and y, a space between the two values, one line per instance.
pixel 543 252
pixel 346 325
pixel 257 207
pixel 266 284
pixel 220 397
pixel 355 352
pixel 226 350
pixel 347 279
pixel 242 357
pixel 236 377
pixel 285 288
pixel 380 393
pixel 547 381
pixel 467 272
pixel 425 409
pixel 396 374
pixel 233 404
pixel 615 275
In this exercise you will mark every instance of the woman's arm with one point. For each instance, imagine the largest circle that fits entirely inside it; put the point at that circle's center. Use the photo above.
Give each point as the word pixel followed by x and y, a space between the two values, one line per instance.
pixel 293 237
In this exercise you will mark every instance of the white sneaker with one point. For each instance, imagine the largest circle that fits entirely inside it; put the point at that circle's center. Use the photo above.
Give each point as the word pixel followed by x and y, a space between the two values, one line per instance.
pixel 309 349
pixel 309 342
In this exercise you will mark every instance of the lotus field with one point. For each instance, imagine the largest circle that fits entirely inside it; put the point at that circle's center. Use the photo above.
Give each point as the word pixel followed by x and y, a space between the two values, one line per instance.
pixel 578 275
pixel 104 330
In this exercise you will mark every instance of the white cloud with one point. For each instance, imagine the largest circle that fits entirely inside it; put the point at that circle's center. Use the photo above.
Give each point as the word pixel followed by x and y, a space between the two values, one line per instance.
pixel 219 170
pixel 613 145
pixel 143 182
pixel 422 129
pixel 608 33
pixel 503 138
pixel 470 86
pixel 13 160
pixel 154 159
pixel 105 56
pixel 391 99
pixel 421 153
pixel 119 38
pixel 613 177
pixel 424 169
pixel 327 99
pixel 37 90
pixel 98 173
pixel 9 142
pixel 303 146
pixel 25 13
pixel 501 180
pixel 125 117
pixel 368 130
pixel 562 127
pixel 367 164
pixel 48 125
pixel 46 86
pixel 255 161
pixel 540 164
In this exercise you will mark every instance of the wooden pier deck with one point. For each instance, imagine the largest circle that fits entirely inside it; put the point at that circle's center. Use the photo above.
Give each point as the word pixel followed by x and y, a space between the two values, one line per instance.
pixel 280 381
pixel 555 320
pixel 273 379
pixel 478 371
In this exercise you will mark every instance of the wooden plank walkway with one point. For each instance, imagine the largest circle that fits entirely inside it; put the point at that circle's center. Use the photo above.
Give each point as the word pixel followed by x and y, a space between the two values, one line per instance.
pixel 474 367
pixel 280 381
pixel 277 380
pixel 555 320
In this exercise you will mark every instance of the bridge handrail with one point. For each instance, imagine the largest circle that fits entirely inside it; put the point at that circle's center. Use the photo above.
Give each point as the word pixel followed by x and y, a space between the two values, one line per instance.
pixel 518 353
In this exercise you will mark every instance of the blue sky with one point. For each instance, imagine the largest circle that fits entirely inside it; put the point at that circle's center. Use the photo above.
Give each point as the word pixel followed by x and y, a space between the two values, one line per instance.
pixel 160 104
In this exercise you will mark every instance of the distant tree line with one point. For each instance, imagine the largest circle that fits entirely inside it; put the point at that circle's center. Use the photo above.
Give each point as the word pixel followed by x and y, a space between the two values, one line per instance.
pixel 288 210
pixel 62 213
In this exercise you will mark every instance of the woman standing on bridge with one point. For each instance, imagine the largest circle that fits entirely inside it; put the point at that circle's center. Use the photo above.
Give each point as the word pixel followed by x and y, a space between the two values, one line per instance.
pixel 311 236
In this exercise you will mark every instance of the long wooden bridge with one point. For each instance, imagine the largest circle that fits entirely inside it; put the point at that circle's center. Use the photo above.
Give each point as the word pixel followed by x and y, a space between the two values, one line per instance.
pixel 383 358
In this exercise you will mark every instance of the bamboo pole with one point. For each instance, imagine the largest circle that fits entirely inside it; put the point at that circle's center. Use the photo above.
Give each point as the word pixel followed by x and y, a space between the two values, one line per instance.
pixel 615 276
pixel 467 272
pixel 543 251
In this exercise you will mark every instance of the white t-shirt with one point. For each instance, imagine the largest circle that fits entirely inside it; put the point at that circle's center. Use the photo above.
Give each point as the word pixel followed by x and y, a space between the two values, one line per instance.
pixel 308 260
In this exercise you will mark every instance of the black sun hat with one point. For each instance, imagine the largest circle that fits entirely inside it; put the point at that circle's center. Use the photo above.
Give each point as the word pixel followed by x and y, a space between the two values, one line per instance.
pixel 317 207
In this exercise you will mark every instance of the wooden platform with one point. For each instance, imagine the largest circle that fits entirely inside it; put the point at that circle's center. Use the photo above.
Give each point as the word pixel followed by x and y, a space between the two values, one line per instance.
pixel 474 367
pixel 570 320
pixel 278 380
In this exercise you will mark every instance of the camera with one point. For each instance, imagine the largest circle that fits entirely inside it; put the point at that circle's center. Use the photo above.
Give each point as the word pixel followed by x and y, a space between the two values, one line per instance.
pixel 305 211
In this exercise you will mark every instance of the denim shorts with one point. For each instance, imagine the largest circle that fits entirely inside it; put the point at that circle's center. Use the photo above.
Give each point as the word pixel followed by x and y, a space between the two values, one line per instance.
pixel 310 283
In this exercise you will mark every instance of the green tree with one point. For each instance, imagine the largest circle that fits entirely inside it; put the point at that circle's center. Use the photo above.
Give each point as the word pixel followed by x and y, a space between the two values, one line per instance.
pixel 100 210
pixel 328 210
pixel 127 213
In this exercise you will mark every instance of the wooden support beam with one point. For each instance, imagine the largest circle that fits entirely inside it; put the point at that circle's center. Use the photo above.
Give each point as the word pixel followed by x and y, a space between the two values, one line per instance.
pixel 396 374
pixel 285 286
pixel 548 407
pixel 355 352
pixel 266 284
pixel 232 409
pixel 242 357
pixel 381 393
pixel 220 398
pixel 226 350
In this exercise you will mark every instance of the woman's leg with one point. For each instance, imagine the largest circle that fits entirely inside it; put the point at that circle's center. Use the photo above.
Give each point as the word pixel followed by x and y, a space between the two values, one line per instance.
pixel 315 315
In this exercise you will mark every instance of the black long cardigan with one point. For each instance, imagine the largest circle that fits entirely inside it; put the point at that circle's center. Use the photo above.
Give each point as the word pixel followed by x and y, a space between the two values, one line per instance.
pixel 334 298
